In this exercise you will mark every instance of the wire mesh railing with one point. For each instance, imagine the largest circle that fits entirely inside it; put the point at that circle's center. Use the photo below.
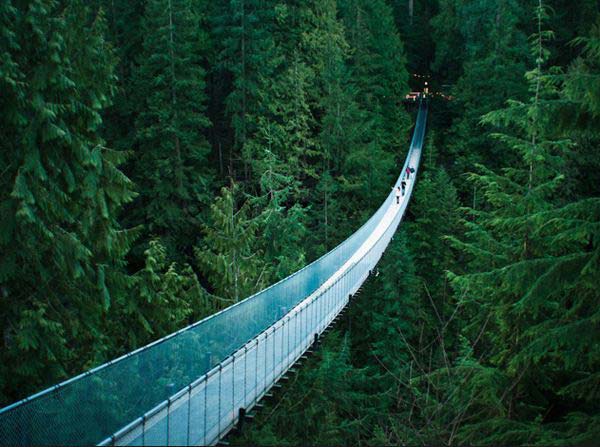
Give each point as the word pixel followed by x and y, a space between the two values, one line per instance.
pixel 233 372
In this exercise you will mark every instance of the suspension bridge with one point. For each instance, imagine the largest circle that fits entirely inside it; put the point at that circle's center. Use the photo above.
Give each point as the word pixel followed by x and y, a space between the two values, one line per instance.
pixel 193 386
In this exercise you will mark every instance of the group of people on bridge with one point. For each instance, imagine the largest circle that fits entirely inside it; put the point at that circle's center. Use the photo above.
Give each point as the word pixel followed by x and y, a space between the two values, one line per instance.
pixel 402 188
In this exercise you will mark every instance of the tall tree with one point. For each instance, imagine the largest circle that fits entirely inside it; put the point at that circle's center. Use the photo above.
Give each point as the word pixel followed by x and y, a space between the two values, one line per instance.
pixel 243 30
pixel 230 253
pixel 377 66
pixel 282 225
pixel 413 24
pixel 165 297
pixel 61 190
pixel 342 124
pixel 171 167
pixel 489 37
pixel 125 33
pixel 529 286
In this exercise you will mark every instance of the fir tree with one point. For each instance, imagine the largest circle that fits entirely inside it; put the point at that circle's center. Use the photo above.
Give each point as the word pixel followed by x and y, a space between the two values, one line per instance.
pixel 283 228
pixel 63 251
pixel 435 210
pixel 530 288
pixel 494 62
pixel 243 29
pixel 171 167
pixel 165 297
pixel 229 254
pixel 126 35
pixel 378 65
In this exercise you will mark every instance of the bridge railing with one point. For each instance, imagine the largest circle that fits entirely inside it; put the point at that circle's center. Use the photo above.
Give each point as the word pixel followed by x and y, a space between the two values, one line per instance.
pixel 92 406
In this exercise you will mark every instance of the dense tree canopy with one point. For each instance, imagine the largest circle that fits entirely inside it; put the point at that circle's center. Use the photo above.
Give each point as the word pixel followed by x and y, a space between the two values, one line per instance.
pixel 164 159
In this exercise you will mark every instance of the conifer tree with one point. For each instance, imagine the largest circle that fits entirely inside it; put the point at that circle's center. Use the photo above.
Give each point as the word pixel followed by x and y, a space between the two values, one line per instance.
pixel 126 35
pixel 229 254
pixel 282 126
pixel 435 210
pixel 450 42
pixel 243 31
pixel 494 50
pixel 378 65
pixel 165 297
pixel 283 226
pixel 342 124
pixel 61 190
pixel 171 167
pixel 529 292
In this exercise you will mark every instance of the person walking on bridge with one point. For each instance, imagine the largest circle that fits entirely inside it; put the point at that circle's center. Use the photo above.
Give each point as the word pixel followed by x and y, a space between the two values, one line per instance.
pixel 398 193
pixel 407 172
pixel 403 184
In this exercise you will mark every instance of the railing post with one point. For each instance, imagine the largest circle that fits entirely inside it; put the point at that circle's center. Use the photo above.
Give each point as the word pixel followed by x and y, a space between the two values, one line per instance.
pixel 273 343
pixel 144 429
pixel 265 363
pixel 168 418
pixel 241 417
pixel 245 373
pixel 189 415
pixel 219 405
pixel 205 408
pixel 287 355
pixel 284 364
pixel 256 373
pixel 233 384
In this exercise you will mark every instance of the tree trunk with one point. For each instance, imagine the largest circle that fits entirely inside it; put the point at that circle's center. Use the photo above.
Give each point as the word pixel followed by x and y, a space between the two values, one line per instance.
pixel 178 159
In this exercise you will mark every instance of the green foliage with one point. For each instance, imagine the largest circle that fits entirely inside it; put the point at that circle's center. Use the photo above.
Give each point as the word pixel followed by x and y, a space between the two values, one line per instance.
pixel 159 286
pixel 378 65
pixel 488 38
pixel 531 260
pixel 508 354
pixel 125 34
pixel 283 229
pixel 245 52
pixel 319 407
pixel 170 167
pixel 296 104
pixel 230 254
pixel 435 204
pixel 63 251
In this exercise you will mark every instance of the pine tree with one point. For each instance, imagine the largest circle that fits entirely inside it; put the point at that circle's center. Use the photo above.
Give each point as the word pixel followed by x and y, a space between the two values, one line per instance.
pixel 341 126
pixel 282 226
pixel 63 252
pixel 495 54
pixel 171 167
pixel 450 42
pixel 529 293
pixel 435 210
pixel 282 127
pixel 243 31
pixel 378 65
pixel 229 253
pixel 377 70
pixel 331 393
pixel 417 33
pixel 125 33
pixel 165 297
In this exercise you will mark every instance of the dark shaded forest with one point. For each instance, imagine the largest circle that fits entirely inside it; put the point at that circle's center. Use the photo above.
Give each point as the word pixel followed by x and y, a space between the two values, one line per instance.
pixel 164 159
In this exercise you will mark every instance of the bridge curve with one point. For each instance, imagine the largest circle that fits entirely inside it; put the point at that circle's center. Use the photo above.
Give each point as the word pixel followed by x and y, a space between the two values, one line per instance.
pixel 195 380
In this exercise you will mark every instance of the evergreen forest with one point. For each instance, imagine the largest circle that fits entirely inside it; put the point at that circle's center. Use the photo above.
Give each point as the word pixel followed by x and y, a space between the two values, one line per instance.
pixel 163 160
